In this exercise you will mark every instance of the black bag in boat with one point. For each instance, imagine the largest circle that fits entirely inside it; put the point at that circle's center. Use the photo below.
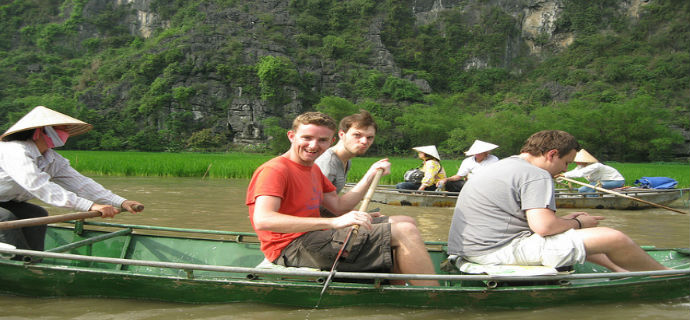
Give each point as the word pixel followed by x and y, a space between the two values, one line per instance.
pixel 414 175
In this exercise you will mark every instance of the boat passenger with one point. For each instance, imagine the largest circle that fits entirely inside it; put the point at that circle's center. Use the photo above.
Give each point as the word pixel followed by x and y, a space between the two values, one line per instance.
pixel 30 168
pixel 431 166
pixel 284 196
pixel 596 173
pixel 356 134
pixel 478 157
pixel 507 215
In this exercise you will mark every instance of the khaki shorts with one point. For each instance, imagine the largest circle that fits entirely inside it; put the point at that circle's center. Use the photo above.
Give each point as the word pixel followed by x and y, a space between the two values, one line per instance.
pixel 563 249
pixel 370 250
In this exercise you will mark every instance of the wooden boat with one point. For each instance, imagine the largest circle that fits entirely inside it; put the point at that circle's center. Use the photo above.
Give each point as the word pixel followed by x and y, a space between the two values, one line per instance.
pixel 201 266
pixel 564 198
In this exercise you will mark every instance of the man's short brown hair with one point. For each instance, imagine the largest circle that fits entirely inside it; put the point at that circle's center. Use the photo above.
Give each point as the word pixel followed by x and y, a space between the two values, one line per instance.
pixel 363 119
pixel 315 118
pixel 543 141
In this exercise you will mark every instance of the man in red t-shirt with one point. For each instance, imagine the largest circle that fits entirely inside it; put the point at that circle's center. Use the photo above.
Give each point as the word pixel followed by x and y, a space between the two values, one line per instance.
pixel 284 197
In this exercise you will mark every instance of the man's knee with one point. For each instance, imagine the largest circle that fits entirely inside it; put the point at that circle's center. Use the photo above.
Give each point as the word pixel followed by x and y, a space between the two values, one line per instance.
pixel 402 219
pixel 404 232
pixel 609 237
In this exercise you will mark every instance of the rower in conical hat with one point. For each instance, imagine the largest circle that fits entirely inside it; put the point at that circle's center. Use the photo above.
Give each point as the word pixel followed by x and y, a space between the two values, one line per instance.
pixel 583 156
pixel 30 168
pixel 41 116
pixel 595 172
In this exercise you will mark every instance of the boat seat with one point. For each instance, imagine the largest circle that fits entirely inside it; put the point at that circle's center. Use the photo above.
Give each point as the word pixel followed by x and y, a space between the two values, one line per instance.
pixel 505 270
pixel 516 271
pixel 265 264
pixel 6 246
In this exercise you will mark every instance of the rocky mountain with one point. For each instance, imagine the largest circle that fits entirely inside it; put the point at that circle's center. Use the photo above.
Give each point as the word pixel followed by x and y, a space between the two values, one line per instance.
pixel 183 67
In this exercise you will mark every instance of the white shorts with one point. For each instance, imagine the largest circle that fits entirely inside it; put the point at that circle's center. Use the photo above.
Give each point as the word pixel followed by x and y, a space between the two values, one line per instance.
pixel 563 249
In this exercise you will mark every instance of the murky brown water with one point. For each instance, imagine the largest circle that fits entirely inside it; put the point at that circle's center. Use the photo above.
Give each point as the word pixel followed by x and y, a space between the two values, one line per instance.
pixel 219 205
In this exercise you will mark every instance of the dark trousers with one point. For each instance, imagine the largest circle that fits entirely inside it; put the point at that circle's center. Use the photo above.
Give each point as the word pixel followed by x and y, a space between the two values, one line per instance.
pixel 32 238
pixel 455 186
pixel 413 186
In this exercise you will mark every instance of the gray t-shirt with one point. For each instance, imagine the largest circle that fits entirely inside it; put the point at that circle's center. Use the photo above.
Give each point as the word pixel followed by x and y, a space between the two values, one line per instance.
pixel 333 169
pixel 490 211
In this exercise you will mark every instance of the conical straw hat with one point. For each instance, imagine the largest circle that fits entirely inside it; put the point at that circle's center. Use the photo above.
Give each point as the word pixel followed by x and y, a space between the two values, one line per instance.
pixel 480 146
pixel 583 156
pixel 42 116
pixel 430 150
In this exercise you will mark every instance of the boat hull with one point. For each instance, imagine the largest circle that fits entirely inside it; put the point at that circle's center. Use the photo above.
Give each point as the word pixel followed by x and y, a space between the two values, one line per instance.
pixel 54 282
pixel 135 272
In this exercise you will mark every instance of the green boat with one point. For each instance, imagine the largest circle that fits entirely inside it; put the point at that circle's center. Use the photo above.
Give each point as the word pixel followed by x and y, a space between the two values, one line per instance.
pixel 203 266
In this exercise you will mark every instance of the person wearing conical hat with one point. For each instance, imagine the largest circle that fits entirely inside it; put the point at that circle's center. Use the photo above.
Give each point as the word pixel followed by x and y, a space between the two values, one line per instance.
pixel 30 168
pixel 479 157
pixel 431 167
pixel 595 172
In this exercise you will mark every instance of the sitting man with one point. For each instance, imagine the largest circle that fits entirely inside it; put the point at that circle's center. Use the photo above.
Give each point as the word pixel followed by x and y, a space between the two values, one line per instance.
pixel 284 196
pixel 31 169
pixel 478 157
pixel 506 215
pixel 356 134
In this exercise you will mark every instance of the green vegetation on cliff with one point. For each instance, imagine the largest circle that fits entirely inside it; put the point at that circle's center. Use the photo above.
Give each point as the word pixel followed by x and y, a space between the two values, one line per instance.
pixel 209 67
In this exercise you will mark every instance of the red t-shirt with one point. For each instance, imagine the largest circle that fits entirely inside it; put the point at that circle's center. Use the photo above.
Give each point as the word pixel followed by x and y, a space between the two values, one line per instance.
pixel 301 190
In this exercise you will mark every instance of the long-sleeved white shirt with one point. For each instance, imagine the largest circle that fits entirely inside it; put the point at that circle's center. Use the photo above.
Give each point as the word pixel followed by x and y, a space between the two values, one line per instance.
pixel 594 172
pixel 25 174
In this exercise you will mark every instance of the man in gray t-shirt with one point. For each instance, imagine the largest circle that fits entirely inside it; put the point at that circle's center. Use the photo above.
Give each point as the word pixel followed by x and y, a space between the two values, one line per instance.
pixel 496 204
pixel 355 135
pixel 334 168
pixel 507 215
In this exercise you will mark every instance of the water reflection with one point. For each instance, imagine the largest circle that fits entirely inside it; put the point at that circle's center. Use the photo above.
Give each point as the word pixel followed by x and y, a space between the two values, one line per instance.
pixel 219 205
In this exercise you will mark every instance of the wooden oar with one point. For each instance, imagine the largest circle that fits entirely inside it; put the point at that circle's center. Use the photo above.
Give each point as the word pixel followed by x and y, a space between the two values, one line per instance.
pixel 620 194
pixel 22 223
pixel 353 231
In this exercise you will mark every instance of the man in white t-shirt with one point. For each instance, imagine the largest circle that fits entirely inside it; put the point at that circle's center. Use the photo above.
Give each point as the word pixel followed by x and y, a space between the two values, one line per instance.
pixel 479 157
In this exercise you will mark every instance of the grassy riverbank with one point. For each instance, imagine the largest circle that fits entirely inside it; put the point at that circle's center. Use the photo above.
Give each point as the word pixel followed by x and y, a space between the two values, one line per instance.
pixel 242 165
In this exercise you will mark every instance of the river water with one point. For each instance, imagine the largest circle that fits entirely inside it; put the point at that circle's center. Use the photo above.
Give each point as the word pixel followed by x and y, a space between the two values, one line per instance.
pixel 219 205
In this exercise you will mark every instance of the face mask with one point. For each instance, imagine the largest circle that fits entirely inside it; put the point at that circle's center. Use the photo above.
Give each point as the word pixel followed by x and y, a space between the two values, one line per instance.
pixel 51 136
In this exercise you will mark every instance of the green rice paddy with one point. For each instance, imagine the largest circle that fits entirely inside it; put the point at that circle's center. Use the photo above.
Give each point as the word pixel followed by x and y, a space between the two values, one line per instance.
pixel 242 165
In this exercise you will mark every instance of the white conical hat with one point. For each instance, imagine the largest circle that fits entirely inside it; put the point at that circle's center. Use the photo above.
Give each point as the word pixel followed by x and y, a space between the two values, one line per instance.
pixel 430 150
pixel 584 157
pixel 42 116
pixel 480 146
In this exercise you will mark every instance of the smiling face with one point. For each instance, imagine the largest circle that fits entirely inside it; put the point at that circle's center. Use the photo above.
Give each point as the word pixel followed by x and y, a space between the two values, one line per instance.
pixel 308 142
pixel 357 141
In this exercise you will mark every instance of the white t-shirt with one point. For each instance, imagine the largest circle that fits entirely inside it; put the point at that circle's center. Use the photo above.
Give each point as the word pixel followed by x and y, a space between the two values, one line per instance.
pixel 470 166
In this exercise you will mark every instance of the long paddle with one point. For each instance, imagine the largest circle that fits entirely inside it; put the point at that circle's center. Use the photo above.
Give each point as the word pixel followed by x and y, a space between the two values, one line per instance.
pixel 353 231
pixel 620 194
pixel 54 219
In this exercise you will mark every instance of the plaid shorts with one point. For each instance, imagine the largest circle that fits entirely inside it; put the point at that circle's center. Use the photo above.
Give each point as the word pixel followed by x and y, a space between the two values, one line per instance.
pixel 369 250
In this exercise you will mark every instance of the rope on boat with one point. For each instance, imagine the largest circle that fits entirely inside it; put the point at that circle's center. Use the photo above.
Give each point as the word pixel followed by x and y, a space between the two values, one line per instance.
pixel 348 275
